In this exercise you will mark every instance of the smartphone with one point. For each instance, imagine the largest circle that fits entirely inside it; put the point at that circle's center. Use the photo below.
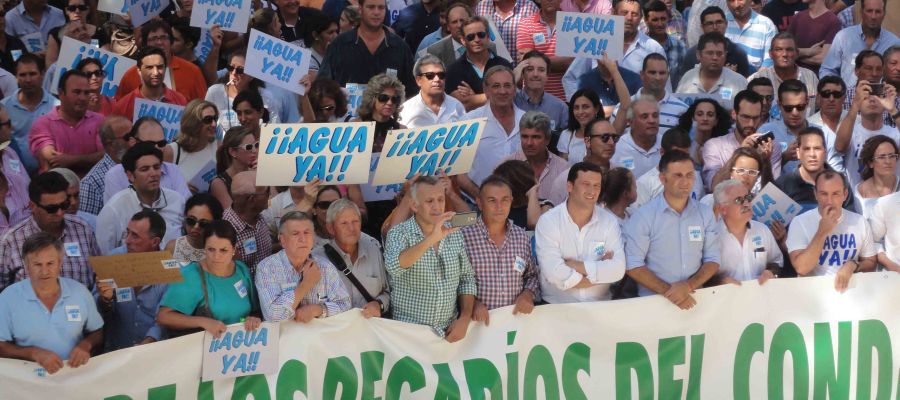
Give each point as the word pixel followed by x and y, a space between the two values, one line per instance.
pixel 463 219
pixel 765 138
pixel 877 89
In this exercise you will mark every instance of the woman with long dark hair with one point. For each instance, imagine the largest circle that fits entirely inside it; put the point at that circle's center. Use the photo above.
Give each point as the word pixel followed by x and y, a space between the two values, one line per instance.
pixel 584 107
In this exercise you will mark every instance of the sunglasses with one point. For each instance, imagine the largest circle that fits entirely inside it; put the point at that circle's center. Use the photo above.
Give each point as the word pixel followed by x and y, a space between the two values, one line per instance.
pixel 191 221
pixel 237 70
pixel 431 75
pixel 745 171
pixel 323 205
pixel 54 208
pixel 74 8
pixel 768 97
pixel 606 137
pixel 798 107
pixel 327 108
pixel 248 146
pixel 158 143
pixel 744 199
pixel 383 98
pixel 831 94
pixel 209 119
pixel 481 35
pixel 96 74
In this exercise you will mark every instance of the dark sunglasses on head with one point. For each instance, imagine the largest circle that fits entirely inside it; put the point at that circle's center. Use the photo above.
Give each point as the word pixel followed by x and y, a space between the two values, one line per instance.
pixel 209 119
pixel 790 109
pixel 431 75
pixel 96 74
pixel 248 146
pixel 54 208
pixel 606 137
pixel 384 99
pixel 237 70
pixel 481 35
pixel 78 7
pixel 191 221
pixel 323 205
pixel 831 94
pixel 744 199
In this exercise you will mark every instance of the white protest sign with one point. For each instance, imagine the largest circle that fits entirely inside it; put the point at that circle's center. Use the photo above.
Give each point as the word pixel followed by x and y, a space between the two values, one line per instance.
pixel 72 52
pixel 202 49
pixel 142 11
pixel 239 352
pixel 378 192
pixel 500 45
pixel 230 15
pixel 203 178
pixel 168 115
pixel 428 150
pixel 277 62
pixel 394 8
pixel 295 154
pixel 118 7
pixel 772 204
pixel 354 97
pixel 34 42
pixel 589 35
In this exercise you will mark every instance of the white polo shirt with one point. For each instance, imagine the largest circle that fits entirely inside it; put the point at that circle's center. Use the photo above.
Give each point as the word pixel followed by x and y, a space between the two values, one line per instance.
pixel 630 155
pixel 747 259
pixel 886 213
pixel 849 240
pixel 495 145
pixel 415 113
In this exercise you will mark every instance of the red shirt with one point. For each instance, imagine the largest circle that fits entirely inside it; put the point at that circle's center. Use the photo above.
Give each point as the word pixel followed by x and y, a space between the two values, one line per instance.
pixel 533 33
pixel 125 105
pixel 187 80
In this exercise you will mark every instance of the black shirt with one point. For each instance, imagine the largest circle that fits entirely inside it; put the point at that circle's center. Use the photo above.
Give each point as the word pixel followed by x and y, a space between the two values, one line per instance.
pixel 782 13
pixel 349 61
pixel 414 23
pixel 6 60
pixel 462 71
pixel 804 193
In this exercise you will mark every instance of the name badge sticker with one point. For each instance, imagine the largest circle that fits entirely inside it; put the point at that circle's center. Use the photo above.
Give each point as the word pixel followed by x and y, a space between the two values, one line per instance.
pixel 72 249
pixel 726 93
pixel 15 165
pixel 598 249
pixel 124 295
pixel 73 313
pixel 240 288
pixel 288 286
pixel 695 233
pixel 628 162
pixel 520 265
pixel 539 38
pixel 249 246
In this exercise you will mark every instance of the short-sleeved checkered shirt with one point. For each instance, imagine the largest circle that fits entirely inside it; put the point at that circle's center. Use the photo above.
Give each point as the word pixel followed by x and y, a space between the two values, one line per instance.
pixel 91 191
pixel 497 268
pixel 78 241
pixel 426 292
pixel 254 241
pixel 509 25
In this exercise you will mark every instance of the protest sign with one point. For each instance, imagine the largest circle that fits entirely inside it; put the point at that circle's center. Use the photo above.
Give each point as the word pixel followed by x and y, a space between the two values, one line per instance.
pixel 589 35
pixel 72 52
pixel 34 42
pixel 295 154
pixel 204 177
pixel 428 150
pixel 394 8
pixel 772 204
pixel 277 62
pixel 168 115
pixel 499 44
pixel 205 45
pixel 137 269
pixel 117 7
pixel 239 352
pixel 230 15
pixel 371 192
pixel 142 11
pixel 787 339
pixel 354 97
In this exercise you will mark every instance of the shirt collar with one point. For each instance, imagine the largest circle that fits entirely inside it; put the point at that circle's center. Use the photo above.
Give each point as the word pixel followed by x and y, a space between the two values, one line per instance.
pixel 30 295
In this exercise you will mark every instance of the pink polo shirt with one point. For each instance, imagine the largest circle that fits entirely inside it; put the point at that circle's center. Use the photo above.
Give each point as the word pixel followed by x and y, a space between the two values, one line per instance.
pixel 594 7
pixel 52 130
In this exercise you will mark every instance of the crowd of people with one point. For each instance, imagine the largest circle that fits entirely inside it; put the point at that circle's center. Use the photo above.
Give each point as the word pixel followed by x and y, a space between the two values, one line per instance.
pixel 594 179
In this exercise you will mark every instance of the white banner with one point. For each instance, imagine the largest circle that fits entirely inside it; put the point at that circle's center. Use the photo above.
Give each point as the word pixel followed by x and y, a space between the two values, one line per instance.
pixel 72 52
pixel 589 35
pixel 788 339
pixel 168 115
pixel 230 15
pixel 277 62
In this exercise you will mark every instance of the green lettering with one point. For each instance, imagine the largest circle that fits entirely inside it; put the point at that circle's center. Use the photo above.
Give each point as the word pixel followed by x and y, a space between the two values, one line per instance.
pixel 750 343
pixel 251 385
pixel 166 392
pixel 633 356
pixel 447 388
pixel 540 365
pixel 696 369
pixel 404 371
pixel 788 338
pixel 291 379
pixel 512 368
pixel 577 358
pixel 874 335
pixel 671 353
pixel 828 382
pixel 482 375
pixel 340 371
pixel 372 365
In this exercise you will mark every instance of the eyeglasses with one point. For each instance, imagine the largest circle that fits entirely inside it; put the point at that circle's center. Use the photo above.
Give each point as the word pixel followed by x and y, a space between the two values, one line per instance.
pixel 235 69
pixel 745 171
pixel 248 146
pixel 96 74
pixel 606 137
pixel 431 75
pixel 383 98
pixel 54 208
pixel 744 199
pixel 78 7
pixel 481 35
pixel 5 123
pixel 191 221
pixel 886 157
pixel 327 108
pixel 323 205
pixel 831 94
pixel 209 119
pixel 798 107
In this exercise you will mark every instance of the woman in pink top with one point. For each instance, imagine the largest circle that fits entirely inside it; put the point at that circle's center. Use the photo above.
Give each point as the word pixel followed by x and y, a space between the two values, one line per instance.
pixel 587 6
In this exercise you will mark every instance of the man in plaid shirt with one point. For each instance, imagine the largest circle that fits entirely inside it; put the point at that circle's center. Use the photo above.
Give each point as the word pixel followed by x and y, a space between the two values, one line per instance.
pixel 500 253
pixel 430 274
pixel 49 203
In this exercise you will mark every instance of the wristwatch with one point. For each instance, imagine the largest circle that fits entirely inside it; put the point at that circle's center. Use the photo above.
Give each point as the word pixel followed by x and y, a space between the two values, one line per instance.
pixel 380 305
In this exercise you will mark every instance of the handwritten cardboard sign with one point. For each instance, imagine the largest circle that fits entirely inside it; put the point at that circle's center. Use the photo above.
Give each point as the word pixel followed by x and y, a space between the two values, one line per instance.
pixel 137 269
pixel 142 11
pixel 771 204
pixel 295 154
pixel 428 150
pixel 589 35
pixel 168 115
pixel 72 52
pixel 230 15
pixel 239 352
pixel 277 62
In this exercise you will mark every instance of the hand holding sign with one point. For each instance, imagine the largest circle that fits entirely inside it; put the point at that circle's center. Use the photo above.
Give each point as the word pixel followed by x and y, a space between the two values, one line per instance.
pixel 587 35
pixel 771 204
pixel 277 62
pixel 240 351
pixel 230 15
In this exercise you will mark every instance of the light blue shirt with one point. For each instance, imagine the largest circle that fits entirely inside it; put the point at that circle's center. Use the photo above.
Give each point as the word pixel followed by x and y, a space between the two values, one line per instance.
pixel 783 139
pixel 18 23
pixel 131 316
pixel 841 57
pixel 549 104
pixel 25 321
pixel 755 38
pixel 672 246
pixel 290 112
pixel 22 119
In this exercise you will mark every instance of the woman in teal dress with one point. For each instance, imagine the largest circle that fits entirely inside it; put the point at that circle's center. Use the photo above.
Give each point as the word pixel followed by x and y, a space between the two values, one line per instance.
pixel 216 291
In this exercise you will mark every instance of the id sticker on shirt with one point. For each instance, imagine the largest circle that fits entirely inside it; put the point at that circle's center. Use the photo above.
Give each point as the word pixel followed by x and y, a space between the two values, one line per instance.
pixel 539 38
pixel 15 165
pixel 628 162
pixel 73 313
pixel 695 233
pixel 249 246
pixel 288 286
pixel 726 93
pixel 240 288
pixel 124 295
pixel 598 249
pixel 520 264
pixel 757 240
pixel 72 249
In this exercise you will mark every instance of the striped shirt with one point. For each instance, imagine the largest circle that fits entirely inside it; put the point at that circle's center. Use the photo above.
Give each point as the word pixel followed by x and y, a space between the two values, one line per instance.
pixel 509 24
pixel 535 34
pixel 755 37
pixel 504 271
pixel 670 109
pixel 276 280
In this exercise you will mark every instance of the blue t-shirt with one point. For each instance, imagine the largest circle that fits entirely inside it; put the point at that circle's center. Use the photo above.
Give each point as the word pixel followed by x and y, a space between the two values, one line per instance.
pixel 231 298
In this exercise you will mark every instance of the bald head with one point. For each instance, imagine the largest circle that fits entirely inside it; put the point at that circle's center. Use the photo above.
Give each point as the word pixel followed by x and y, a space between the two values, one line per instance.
pixel 114 127
pixel 244 183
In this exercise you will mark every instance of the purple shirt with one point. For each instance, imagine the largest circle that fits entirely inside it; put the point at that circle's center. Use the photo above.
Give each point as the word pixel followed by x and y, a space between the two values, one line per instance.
pixel 717 151
pixel 53 130
pixel 171 179
pixel 17 196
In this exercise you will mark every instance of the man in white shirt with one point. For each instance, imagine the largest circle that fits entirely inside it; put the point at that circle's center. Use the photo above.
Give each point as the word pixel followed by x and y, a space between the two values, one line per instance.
pixel 886 213
pixel 431 106
pixel 639 149
pixel 500 138
pixel 143 166
pixel 579 245
pixel 747 247
pixel 830 240
pixel 852 134
pixel 711 76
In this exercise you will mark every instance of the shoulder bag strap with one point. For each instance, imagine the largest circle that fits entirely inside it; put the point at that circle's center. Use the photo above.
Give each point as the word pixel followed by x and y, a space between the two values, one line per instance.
pixel 204 310
pixel 338 262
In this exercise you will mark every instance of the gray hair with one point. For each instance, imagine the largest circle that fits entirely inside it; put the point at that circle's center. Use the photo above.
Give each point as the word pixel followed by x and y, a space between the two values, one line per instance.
pixel 722 187
pixel 891 50
pixel 422 180
pixel 375 86
pixel 495 69
pixel 70 176
pixel 337 207
pixel 293 216
pixel 428 59
pixel 639 100
pixel 38 242
pixel 535 120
